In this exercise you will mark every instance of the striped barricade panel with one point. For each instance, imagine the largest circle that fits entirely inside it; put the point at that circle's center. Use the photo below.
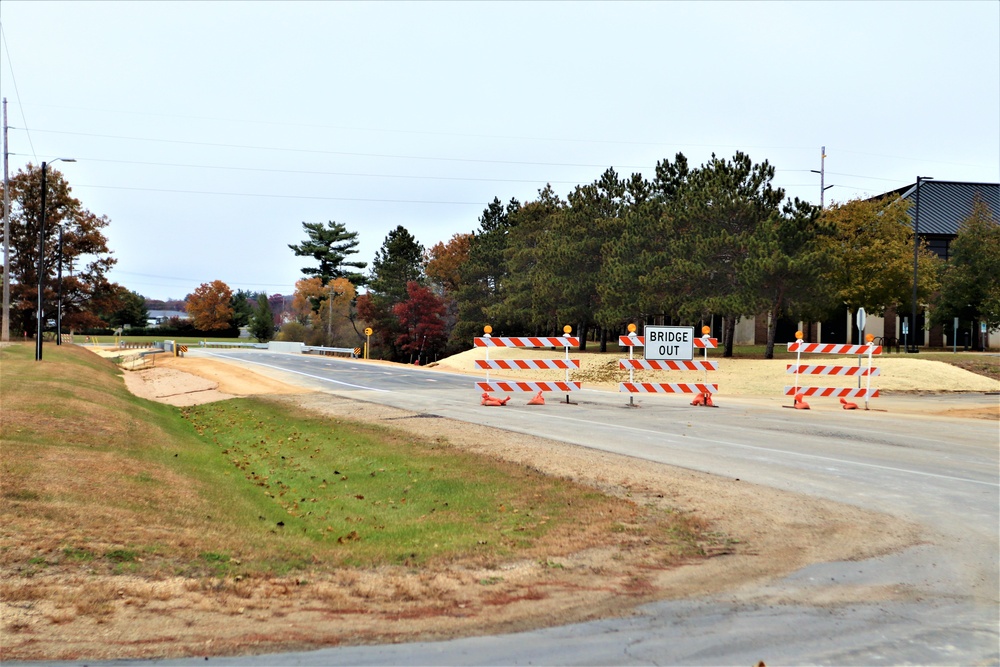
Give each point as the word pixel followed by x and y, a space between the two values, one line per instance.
pixel 527 364
pixel 529 341
pixel 667 388
pixel 829 348
pixel 833 392
pixel 666 365
pixel 528 386
pixel 856 371
pixel 640 341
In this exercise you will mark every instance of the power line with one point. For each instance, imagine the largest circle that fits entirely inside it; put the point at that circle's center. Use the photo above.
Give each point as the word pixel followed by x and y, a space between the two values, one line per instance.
pixel 195 280
pixel 423 132
pixel 327 173
pixel 272 196
pixel 314 151
pixel 17 92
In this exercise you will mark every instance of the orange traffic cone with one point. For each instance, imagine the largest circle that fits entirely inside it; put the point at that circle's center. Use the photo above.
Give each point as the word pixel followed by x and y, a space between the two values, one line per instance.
pixel 800 404
pixel 848 405
pixel 537 400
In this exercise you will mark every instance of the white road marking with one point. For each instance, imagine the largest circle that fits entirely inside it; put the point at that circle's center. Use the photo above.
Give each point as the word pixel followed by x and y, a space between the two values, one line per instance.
pixel 308 375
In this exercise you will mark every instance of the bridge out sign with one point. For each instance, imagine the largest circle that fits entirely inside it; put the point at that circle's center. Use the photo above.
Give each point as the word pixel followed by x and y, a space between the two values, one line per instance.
pixel 675 343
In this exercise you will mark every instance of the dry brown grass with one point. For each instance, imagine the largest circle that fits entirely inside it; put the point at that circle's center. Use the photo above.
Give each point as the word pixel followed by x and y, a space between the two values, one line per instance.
pixel 104 520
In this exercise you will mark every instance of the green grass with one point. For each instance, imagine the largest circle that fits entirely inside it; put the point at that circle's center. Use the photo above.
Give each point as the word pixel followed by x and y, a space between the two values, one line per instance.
pixel 95 477
pixel 377 494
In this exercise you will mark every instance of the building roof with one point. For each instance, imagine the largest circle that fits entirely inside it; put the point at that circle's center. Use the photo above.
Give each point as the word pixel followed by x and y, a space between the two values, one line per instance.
pixel 167 314
pixel 944 205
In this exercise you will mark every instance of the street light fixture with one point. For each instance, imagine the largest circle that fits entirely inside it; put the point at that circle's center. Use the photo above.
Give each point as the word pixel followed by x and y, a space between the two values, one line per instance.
pixel 916 255
pixel 41 262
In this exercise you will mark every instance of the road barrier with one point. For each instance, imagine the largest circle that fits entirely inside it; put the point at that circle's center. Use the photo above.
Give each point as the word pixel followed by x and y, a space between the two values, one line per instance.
pixel 487 341
pixel 799 369
pixel 704 390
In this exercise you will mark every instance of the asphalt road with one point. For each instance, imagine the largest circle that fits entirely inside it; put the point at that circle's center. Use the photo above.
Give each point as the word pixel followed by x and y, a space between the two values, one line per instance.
pixel 941 473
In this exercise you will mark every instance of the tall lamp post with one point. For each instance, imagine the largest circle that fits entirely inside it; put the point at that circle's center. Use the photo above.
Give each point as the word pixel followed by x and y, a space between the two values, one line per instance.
pixel 916 256
pixel 59 297
pixel 41 262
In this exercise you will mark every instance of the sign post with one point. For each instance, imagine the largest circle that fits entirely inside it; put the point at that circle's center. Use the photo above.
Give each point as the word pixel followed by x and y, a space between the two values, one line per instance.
pixel 368 339
pixel 861 318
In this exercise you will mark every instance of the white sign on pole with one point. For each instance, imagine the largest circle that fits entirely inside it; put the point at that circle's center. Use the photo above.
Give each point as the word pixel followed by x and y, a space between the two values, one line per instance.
pixel 862 317
pixel 906 326
pixel 675 343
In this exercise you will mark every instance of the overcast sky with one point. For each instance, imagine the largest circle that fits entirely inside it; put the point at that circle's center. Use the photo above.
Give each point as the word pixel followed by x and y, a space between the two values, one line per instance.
pixel 208 132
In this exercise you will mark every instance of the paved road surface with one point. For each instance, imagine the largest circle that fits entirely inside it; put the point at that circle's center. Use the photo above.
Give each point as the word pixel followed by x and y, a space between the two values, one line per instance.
pixel 941 473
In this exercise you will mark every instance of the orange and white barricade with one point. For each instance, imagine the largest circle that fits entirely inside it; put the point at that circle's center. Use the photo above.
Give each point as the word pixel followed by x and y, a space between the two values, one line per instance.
pixel 704 390
pixel 799 369
pixel 487 341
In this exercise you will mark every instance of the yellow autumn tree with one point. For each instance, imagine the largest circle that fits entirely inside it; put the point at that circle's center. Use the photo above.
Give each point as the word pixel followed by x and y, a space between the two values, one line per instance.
pixel 209 306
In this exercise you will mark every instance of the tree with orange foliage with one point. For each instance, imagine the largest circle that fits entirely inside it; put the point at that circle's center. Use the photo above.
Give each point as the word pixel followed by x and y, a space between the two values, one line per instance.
pixel 309 293
pixel 444 261
pixel 209 306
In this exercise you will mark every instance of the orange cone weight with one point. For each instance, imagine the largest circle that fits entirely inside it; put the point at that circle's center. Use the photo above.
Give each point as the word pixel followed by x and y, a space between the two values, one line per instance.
pixel 493 400
pixel 800 403
pixel 848 405
pixel 538 399
pixel 703 399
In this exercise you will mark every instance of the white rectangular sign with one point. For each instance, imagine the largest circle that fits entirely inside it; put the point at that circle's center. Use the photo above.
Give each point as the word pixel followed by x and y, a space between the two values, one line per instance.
pixel 675 343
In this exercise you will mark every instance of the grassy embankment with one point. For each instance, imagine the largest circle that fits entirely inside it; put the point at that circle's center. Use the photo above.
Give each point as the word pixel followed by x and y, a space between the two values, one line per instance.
pixel 98 481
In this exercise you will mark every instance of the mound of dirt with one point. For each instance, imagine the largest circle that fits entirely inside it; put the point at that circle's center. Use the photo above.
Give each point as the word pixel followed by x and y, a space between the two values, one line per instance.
pixel 735 377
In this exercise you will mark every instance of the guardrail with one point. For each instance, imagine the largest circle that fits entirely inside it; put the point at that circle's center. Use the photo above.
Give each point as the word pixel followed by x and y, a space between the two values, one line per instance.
pixel 255 346
pixel 346 351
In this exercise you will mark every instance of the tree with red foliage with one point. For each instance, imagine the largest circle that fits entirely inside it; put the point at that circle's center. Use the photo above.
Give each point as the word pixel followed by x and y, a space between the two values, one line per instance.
pixel 421 321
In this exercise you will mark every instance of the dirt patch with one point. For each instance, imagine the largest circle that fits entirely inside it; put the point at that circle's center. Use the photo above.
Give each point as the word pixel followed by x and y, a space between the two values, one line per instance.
pixel 184 381
pixel 755 534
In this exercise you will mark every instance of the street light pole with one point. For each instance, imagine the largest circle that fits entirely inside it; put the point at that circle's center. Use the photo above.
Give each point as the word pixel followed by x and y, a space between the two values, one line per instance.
pixel 41 263
pixel 916 256
pixel 59 284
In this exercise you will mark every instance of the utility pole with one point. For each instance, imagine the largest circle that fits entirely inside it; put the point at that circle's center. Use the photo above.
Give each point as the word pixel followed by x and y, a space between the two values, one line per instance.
pixel 822 175
pixel 5 335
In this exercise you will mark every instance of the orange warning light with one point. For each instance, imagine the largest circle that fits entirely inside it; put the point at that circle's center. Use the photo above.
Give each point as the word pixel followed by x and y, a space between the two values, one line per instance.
pixel 706 330
pixel 488 329
pixel 798 335
pixel 631 328
pixel 567 329
pixel 869 338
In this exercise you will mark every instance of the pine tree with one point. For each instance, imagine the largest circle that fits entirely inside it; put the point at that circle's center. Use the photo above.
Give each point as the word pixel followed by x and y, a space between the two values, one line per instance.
pixel 970 282
pixel 262 320
pixel 330 246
